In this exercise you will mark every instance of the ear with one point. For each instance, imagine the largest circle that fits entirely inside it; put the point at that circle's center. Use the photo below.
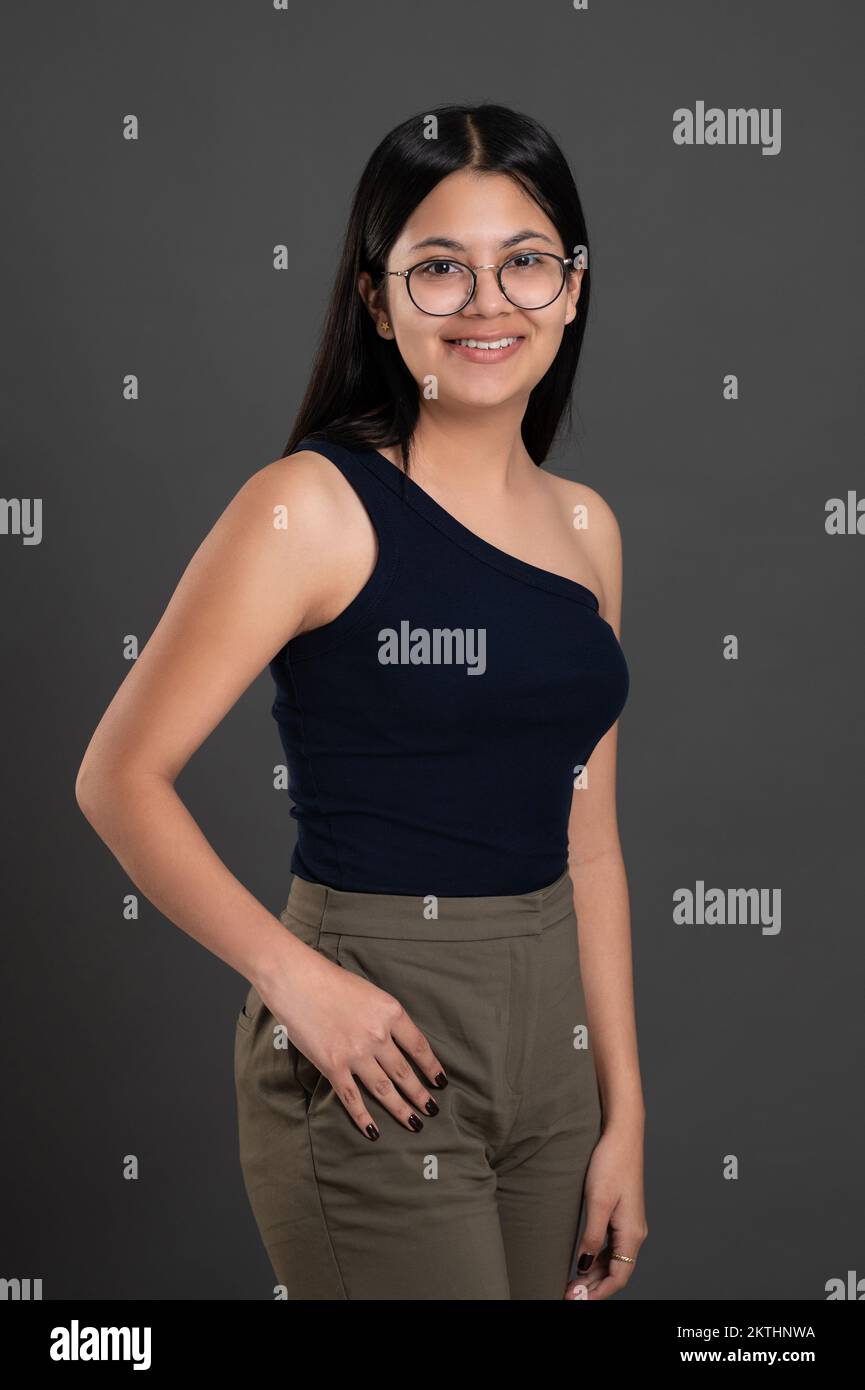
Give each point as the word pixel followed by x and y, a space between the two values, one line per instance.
pixel 374 299
pixel 575 282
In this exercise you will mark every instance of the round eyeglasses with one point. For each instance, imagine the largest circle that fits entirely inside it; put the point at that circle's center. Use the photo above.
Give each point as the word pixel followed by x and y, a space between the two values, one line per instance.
pixel 529 280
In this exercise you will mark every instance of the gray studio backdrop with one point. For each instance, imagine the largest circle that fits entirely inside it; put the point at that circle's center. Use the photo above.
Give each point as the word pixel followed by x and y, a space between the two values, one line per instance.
pixel 740 760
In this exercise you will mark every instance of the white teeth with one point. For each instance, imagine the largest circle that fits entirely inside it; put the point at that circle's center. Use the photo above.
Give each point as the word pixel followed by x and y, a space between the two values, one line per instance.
pixel 473 343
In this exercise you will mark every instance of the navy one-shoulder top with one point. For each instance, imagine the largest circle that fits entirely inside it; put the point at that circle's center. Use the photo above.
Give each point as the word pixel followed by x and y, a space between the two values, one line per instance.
pixel 433 731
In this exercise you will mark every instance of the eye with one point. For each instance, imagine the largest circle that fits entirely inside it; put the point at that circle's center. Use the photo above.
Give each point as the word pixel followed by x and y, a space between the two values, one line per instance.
pixel 525 260
pixel 438 269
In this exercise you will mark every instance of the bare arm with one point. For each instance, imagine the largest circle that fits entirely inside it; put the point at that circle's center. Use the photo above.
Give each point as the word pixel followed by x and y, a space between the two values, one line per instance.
pixel 598 873
pixel 615 1202
pixel 249 588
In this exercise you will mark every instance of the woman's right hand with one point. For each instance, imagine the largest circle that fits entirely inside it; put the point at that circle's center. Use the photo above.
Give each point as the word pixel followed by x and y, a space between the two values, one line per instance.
pixel 349 1028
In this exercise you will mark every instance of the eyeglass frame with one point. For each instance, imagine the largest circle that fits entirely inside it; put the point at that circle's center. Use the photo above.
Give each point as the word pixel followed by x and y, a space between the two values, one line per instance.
pixel 431 260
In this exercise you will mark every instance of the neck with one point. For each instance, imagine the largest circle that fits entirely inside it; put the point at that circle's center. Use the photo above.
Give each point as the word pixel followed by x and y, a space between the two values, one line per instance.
pixel 478 453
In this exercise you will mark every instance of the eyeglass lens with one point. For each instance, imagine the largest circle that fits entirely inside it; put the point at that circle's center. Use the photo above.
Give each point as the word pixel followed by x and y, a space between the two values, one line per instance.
pixel 530 281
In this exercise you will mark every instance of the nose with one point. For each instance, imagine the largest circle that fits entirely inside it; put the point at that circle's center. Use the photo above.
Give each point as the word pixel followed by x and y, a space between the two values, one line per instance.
pixel 487 299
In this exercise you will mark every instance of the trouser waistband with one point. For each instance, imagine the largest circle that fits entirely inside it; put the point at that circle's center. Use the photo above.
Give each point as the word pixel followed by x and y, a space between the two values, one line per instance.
pixel 406 916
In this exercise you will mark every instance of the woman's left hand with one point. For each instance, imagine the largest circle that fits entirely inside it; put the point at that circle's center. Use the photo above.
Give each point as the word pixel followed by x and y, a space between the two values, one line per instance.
pixel 615 1208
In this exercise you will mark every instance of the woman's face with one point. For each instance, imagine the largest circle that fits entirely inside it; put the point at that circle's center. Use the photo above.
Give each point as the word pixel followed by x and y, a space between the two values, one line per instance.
pixel 484 219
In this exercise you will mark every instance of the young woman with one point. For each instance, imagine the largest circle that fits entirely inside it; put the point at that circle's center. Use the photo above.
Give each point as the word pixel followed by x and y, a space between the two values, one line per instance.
pixel 437 1059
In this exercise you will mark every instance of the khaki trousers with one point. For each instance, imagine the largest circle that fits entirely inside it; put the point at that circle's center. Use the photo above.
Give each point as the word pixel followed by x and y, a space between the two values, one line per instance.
pixel 484 1201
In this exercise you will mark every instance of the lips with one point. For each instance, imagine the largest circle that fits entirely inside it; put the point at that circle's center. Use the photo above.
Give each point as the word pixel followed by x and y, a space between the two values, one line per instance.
pixel 477 338
pixel 485 355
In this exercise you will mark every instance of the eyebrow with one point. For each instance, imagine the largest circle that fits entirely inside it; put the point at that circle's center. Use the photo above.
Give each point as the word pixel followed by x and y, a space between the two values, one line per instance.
pixel 526 235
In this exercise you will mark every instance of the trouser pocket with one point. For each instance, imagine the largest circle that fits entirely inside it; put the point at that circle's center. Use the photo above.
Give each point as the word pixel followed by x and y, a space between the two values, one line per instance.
pixel 265 1055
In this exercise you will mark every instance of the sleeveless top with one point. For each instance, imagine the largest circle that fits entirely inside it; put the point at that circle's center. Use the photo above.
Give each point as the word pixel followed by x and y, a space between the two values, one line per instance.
pixel 435 729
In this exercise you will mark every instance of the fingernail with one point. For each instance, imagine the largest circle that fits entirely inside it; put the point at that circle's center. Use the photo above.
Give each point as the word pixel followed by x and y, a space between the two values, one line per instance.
pixel 373 1132
pixel 431 1108
pixel 584 1261
pixel 441 1079
pixel 415 1122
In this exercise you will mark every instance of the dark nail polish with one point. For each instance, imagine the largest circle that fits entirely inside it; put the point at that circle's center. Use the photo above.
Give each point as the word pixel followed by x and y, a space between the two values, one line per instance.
pixel 584 1261
pixel 415 1122
pixel 441 1079
pixel 431 1108
pixel 372 1132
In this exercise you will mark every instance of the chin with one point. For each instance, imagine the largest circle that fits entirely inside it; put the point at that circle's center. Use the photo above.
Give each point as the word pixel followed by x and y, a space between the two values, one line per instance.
pixel 454 387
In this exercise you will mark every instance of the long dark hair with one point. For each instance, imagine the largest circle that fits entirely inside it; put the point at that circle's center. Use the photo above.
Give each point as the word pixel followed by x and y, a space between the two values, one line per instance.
pixel 360 393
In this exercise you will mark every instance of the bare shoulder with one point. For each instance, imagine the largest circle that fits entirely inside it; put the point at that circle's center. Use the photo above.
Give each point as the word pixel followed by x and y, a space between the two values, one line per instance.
pixel 590 510
pixel 322 541
pixel 310 489
pixel 289 543
pixel 597 533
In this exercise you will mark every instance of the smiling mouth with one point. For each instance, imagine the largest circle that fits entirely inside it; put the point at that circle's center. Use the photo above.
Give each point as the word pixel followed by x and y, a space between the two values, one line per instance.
pixel 487 344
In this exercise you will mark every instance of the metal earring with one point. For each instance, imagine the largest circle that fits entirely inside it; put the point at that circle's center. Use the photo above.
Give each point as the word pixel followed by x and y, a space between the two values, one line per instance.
pixel 384 326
